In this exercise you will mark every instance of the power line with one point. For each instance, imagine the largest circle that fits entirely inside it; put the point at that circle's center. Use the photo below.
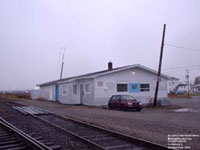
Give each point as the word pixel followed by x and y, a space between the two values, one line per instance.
pixel 181 47
pixel 182 67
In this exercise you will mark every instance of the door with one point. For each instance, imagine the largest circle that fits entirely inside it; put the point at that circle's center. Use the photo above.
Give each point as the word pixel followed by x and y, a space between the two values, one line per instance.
pixel 115 101
pixel 57 92
pixel 118 102
pixel 81 93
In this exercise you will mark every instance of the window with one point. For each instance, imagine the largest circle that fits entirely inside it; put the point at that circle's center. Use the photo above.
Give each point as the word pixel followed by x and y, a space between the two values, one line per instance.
pixel 64 89
pixel 127 97
pixel 113 97
pixel 74 89
pixel 118 97
pixel 87 88
pixel 144 87
pixel 122 87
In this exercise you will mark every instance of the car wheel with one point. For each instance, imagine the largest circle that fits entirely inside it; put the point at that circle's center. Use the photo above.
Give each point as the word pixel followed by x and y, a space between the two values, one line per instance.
pixel 138 109
pixel 110 107
pixel 123 108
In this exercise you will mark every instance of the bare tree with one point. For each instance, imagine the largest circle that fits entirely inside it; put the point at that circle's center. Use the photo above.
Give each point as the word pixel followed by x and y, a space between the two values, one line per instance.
pixel 197 80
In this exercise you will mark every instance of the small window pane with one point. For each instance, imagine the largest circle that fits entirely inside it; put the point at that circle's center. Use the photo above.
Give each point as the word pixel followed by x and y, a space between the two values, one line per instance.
pixel 118 97
pixel 144 87
pixel 113 97
pixel 122 87
pixel 127 97
pixel 64 89
pixel 74 89
pixel 87 88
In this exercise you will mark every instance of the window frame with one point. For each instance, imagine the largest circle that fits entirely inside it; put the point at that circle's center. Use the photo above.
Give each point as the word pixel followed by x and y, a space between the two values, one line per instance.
pixel 64 86
pixel 120 90
pixel 88 88
pixel 144 89
pixel 75 90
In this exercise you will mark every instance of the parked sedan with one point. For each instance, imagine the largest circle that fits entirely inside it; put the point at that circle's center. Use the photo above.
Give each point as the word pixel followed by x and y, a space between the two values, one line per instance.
pixel 124 102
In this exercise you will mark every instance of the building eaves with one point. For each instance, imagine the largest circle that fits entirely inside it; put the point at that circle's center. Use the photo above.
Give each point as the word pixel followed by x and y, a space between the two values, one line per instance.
pixel 173 78
pixel 134 66
pixel 88 75
pixel 102 73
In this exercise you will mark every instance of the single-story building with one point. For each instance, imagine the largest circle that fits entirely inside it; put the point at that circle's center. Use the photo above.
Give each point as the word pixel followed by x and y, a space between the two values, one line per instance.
pixel 96 88
pixel 173 85
pixel 197 88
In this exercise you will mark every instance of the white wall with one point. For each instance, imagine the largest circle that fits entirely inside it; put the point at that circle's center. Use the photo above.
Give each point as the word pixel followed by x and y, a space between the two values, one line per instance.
pixel 183 88
pixel 100 95
pixel 172 84
pixel 70 98
pixel 48 92
pixel 35 94
pixel 136 75
pixel 88 97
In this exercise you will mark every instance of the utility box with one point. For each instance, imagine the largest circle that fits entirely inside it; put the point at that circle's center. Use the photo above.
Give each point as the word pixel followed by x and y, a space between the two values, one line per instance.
pixel 164 102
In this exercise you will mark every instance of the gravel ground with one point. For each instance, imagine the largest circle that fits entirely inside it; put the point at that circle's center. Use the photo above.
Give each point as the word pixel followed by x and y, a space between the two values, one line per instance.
pixel 29 124
pixel 150 124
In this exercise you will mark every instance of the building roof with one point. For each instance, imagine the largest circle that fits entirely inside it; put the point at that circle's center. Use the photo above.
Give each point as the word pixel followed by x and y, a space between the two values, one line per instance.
pixel 102 73
pixel 173 78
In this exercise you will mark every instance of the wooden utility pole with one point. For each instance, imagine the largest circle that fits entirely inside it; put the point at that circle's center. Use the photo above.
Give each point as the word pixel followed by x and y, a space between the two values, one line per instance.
pixel 159 67
pixel 62 64
pixel 187 80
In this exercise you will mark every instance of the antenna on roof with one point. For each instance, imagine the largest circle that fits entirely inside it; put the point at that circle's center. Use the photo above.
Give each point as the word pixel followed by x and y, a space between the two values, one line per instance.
pixel 62 65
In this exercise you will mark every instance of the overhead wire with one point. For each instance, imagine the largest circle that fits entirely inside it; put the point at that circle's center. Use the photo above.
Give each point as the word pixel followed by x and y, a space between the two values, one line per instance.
pixel 182 67
pixel 181 47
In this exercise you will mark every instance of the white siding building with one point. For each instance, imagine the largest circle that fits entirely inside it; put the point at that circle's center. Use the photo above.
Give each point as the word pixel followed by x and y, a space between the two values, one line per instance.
pixel 173 85
pixel 197 88
pixel 96 88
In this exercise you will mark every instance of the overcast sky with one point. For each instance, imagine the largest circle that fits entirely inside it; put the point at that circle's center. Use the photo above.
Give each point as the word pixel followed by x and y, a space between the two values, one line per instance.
pixel 94 32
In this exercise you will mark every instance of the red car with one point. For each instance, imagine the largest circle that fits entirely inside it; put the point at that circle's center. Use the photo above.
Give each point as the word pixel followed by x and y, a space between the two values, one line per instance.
pixel 124 102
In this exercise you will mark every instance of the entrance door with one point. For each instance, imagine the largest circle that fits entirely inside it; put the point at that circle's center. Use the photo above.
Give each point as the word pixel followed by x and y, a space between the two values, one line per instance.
pixel 81 93
pixel 57 93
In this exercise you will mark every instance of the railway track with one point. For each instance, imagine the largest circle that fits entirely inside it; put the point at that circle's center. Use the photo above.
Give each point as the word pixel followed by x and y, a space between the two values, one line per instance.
pixel 49 135
pixel 97 137
pixel 11 138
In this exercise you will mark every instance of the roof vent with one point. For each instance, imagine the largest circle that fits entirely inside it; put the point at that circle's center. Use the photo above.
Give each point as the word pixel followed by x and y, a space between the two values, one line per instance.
pixel 110 66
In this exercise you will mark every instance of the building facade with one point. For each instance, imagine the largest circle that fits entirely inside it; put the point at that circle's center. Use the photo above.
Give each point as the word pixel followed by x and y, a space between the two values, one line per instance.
pixel 96 88
pixel 173 84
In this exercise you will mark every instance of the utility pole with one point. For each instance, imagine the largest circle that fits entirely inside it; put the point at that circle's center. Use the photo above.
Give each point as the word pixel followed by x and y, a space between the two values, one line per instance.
pixel 159 67
pixel 187 80
pixel 62 63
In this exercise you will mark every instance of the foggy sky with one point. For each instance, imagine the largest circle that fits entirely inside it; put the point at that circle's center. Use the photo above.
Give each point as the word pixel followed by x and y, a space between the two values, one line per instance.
pixel 94 32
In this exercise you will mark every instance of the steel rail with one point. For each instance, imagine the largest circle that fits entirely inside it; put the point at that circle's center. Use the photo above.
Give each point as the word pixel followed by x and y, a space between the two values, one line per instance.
pixel 129 138
pixel 134 140
pixel 33 142
pixel 73 134
pixel 149 144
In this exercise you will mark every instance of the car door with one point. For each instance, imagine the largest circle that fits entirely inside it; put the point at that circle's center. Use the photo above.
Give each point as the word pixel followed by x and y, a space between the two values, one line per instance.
pixel 118 102
pixel 112 101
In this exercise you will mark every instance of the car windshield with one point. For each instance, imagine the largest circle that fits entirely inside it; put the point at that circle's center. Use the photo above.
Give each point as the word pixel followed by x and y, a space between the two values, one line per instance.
pixel 127 97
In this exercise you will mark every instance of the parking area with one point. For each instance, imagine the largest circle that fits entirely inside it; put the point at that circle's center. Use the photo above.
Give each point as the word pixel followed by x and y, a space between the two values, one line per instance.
pixel 152 124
